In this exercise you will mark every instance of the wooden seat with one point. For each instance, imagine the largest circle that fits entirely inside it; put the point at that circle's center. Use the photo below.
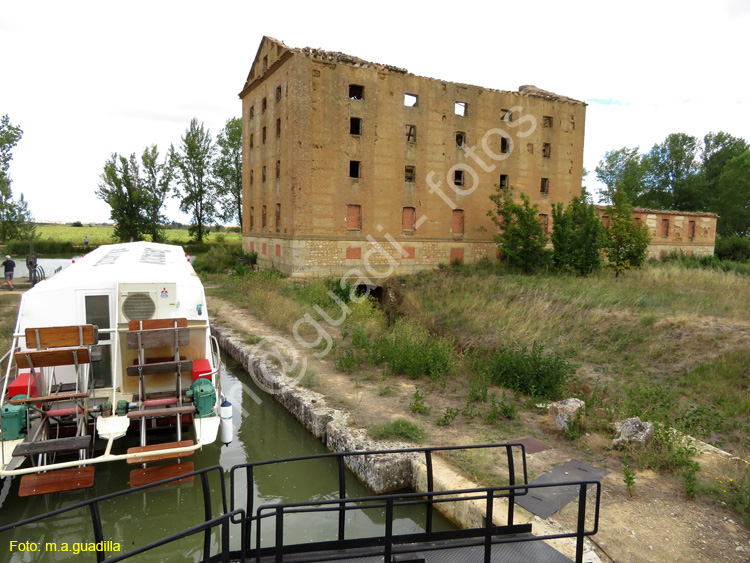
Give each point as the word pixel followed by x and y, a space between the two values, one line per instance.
pixel 56 445
pixel 186 409
pixel 150 475
pixel 61 336
pixel 160 367
pixel 49 398
pixel 160 457
pixel 150 324
pixel 56 481
pixel 53 357
pixel 158 338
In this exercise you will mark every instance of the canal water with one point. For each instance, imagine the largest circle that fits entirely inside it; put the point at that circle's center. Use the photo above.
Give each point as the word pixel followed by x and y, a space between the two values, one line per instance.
pixel 262 432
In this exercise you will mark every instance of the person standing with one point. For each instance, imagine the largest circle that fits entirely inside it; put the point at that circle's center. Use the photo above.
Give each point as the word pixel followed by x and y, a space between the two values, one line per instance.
pixel 86 242
pixel 9 266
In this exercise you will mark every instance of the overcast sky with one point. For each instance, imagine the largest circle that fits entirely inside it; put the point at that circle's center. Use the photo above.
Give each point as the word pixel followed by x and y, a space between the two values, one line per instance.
pixel 85 79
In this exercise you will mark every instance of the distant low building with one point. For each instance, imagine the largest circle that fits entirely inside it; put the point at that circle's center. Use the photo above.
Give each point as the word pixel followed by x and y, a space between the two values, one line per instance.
pixel 693 233
pixel 353 164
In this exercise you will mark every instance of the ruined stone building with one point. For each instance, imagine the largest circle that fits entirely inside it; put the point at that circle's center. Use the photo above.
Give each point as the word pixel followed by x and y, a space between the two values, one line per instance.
pixel 353 164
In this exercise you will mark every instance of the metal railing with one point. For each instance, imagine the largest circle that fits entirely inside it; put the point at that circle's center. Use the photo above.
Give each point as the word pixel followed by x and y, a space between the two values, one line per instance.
pixel 342 458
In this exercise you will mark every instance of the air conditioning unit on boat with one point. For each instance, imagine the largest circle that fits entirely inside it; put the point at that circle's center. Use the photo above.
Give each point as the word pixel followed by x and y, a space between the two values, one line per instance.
pixel 141 301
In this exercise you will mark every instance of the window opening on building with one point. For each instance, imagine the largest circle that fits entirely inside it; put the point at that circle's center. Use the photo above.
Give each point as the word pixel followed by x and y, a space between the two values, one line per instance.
pixel 460 108
pixel 355 126
pixel 411 133
pixel 263 174
pixel 278 127
pixel 263 218
pixel 408 216
pixel 278 169
pixel 546 150
pixel 691 230
pixel 354 217
pixel 409 173
pixel 457 222
pixel 263 105
pixel 547 121
pixel 544 188
pixel 665 228
pixel 278 94
pixel 410 100
pixel 251 140
pixel 544 220
pixel 252 176
pixel 252 112
pixel 356 92
pixel 265 63
pixel 460 138
pixel 504 180
pixel 252 218
pixel 355 167
pixel 506 115
pixel 278 217
pixel 264 135
pixel 458 177
pixel 504 145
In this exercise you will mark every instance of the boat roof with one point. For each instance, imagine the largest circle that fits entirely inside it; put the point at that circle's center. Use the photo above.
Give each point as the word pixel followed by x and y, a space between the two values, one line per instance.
pixel 132 262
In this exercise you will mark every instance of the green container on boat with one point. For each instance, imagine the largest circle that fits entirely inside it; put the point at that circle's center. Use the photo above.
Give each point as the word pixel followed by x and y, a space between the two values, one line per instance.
pixel 14 420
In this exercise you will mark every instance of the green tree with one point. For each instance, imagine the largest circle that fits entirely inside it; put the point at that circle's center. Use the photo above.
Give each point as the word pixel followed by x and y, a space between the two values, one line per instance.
pixel 123 189
pixel 624 166
pixel 577 236
pixel 521 238
pixel 157 180
pixel 672 180
pixel 625 240
pixel 15 217
pixel 228 170
pixel 194 175
pixel 733 201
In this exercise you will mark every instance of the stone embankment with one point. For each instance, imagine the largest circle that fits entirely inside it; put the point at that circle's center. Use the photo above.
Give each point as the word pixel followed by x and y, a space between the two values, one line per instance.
pixel 382 473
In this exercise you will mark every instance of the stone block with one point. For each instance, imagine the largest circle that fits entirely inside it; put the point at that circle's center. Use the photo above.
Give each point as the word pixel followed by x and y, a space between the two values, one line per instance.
pixel 562 412
pixel 633 432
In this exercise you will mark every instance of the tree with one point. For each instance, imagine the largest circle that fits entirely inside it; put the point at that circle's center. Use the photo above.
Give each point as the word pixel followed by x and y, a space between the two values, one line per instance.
pixel 733 201
pixel 194 165
pixel 521 238
pixel 671 175
pixel 625 240
pixel 625 166
pixel 15 217
pixel 157 180
pixel 577 236
pixel 228 170
pixel 122 188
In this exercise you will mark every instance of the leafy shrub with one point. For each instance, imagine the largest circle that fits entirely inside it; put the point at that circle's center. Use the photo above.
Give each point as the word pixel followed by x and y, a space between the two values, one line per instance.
pixel 733 248
pixel 500 409
pixel 219 258
pixel 534 372
pixel 447 417
pixel 410 350
pixel 77 224
pixel 399 429
pixel 417 404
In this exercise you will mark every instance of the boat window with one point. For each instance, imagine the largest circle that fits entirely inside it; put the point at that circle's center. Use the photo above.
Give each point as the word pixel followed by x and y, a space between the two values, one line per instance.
pixel 97 313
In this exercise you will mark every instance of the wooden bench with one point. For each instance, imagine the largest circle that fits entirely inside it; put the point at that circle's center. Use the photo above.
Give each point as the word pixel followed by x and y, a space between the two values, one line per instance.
pixel 61 336
pixel 56 445
pixel 160 367
pixel 56 481
pixel 160 457
pixel 150 324
pixel 158 338
pixel 150 475
pixel 52 358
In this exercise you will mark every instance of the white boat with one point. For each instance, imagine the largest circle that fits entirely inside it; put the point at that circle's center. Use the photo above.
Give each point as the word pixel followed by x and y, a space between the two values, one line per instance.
pixel 117 342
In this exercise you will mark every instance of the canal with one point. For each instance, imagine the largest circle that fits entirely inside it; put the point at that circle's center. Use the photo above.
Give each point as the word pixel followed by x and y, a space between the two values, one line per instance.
pixel 262 432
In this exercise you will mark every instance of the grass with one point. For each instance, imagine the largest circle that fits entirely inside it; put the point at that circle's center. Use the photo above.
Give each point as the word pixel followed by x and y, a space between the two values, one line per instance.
pixel 399 429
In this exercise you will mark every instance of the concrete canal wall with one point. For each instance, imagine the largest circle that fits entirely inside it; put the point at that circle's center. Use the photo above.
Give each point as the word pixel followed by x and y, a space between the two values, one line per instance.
pixel 383 473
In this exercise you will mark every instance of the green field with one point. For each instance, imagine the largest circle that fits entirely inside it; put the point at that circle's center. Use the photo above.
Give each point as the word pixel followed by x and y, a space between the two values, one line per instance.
pixel 102 234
